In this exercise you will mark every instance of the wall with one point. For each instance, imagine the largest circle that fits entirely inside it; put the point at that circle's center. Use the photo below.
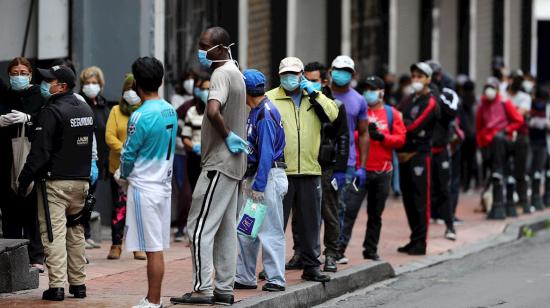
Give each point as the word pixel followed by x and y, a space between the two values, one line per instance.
pixel 13 22
pixel 407 33
pixel 482 35
pixel 448 35
pixel 310 30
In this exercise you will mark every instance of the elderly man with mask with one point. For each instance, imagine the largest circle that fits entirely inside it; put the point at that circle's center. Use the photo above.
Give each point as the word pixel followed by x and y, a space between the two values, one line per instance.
pixel 295 99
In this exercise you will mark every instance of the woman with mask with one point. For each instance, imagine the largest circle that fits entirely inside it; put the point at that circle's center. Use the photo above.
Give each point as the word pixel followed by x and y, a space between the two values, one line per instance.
pixel 184 89
pixel 20 104
pixel 115 135
pixel 92 83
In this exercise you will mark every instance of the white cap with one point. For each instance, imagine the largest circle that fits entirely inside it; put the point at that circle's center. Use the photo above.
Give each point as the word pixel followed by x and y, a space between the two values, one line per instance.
pixel 291 64
pixel 422 67
pixel 343 62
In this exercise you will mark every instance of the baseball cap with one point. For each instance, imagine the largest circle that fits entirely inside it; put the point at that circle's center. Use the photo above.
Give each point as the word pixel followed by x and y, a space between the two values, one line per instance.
pixel 375 82
pixel 492 82
pixel 291 64
pixel 343 62
pixel 254 81
pixel 422 67
pixel 62 73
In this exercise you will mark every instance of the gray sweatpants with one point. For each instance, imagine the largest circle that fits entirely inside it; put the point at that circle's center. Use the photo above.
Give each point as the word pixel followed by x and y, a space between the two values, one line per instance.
pixel 271 236
pixel 212 226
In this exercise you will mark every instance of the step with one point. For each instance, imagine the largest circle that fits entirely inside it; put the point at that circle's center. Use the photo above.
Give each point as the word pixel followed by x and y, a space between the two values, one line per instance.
pixel 15 271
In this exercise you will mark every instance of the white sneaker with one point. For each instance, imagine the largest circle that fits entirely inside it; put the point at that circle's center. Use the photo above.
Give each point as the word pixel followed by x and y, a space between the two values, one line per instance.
pixel 342 260
pixel 144 303
pixel 450 235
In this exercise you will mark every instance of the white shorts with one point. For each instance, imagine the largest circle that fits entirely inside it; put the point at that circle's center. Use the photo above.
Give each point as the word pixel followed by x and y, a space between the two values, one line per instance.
pixel 147 220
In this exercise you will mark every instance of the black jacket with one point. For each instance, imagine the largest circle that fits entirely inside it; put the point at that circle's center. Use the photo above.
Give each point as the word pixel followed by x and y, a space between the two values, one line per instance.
pixel 62 147
pixel 448 102
pixel 30 102
pixel 101 113
pixel 420 114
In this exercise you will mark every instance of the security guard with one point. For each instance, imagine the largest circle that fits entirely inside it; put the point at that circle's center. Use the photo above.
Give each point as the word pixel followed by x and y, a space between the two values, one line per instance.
pixel 60 163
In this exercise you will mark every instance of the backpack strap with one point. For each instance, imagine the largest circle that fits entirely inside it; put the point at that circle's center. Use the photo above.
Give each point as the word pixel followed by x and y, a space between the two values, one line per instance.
pixel 389 116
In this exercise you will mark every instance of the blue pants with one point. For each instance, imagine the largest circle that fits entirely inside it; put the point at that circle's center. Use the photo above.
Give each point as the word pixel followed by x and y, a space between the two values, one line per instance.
pixel 179 170
pixel 271 236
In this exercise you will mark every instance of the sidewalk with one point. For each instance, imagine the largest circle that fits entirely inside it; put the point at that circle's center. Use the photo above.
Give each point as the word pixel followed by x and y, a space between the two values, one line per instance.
pixel 121 283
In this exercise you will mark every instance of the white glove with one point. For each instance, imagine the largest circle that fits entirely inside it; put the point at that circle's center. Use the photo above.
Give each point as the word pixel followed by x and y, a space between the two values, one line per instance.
pixel 4 121
pixel 18 117
pixel 121 182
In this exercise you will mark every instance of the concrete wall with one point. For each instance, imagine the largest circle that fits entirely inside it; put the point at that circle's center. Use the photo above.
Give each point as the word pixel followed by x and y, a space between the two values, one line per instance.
pixel 481 46
pixel 448 35
pixel 310 30
pixel 407 33
pixel 512 33
pixel 13 21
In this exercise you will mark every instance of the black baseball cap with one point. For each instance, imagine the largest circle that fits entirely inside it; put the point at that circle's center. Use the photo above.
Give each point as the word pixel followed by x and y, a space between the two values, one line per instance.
pixel 375 82
pixel 61 73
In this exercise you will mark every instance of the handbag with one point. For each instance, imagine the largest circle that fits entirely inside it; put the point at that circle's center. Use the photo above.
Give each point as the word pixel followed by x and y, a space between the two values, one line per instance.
pixel 251 218
pixel 21 146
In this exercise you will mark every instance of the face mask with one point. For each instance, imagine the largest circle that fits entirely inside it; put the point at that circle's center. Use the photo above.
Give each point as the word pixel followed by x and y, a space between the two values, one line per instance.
pixel 372 97
pixel 341 77
pixel 317 86
pixel 91 90
pixel 527 86
pixel 207 63
pixel 20 83
pixel 131 97
pixel 408 90
pixel 417 86
pixel 290 82
pixel 490 93
pixel 188 85
pixel 45 90
pixel 201 94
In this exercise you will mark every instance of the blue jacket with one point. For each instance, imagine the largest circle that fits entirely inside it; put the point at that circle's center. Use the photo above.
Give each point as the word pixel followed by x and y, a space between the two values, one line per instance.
pixel 267 138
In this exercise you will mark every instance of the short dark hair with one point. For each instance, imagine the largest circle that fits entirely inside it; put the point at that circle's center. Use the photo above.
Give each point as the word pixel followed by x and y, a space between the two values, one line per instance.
pixel 148 73
pixel 219 35
pixel 316 66
pixel 20 61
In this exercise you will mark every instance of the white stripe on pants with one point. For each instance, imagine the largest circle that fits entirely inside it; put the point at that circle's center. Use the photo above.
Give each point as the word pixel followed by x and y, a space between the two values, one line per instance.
pixel 212 226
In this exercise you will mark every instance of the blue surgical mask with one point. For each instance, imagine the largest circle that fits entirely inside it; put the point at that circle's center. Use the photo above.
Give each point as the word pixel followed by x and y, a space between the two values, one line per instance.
pixel 19 83
pixel 45 90
pixel 317 86
pixel 372 97
pixel 207 63
pixel 201 94
pixel 290 82
pixel 341 77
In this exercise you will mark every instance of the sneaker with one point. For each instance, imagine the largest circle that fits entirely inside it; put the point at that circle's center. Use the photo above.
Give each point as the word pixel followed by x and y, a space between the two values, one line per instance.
pixel 91 244
pixel 193 299
pixel 178 237
pixel 439 221
pixel 271 287
pixel 294 263
pixel 371 256
pixel 330 264
pixel 450 235
pixel 144 303
pixel 458 221
pixel 224 299
pixel 240 286
pixel 341 259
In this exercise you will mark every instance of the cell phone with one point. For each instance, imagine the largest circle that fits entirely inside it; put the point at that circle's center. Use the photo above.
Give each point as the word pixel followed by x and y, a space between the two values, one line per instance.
pixel 334 184
pixel 354 184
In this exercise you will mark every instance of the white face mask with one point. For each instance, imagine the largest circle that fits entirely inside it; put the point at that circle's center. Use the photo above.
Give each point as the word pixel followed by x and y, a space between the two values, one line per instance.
pixel 528 85
pixel 490 93
pixel 408 90
pixel 91 90
pixel 417 86
pixel 188 85
pixel 131 97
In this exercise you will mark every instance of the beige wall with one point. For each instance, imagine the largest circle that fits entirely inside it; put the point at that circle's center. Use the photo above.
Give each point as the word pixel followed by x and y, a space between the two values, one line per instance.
pixel 407 34
pixel 448 35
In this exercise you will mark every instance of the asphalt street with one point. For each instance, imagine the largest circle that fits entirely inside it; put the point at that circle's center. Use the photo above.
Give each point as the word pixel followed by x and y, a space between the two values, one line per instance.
pixel 512 275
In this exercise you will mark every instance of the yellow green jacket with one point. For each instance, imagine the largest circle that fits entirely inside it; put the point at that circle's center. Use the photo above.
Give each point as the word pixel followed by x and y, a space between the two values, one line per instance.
pixel 302 130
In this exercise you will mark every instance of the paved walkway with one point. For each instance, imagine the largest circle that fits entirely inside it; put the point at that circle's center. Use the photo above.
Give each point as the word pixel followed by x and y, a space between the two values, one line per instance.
pixel 121 283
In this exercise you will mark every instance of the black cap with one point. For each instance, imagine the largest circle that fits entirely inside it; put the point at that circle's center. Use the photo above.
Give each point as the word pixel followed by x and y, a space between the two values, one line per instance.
pixel 61 73
pixel 375 82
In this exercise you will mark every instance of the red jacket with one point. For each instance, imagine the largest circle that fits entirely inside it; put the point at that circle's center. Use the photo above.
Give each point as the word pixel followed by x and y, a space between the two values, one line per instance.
pixel 495 116
pixel 380 152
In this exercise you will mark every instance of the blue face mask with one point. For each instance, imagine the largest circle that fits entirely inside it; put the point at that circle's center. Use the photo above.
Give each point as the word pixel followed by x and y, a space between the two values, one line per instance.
pixel 19 83
pixel 45 90
pixel 203 60
pixel 201 94
pixel 317 86
pixel 290 82
pixel 341 77
pixel 372 97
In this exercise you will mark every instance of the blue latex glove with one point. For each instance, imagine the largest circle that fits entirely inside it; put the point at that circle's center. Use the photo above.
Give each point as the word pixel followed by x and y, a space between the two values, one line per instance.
pixel 94 173
pixel 197 149
pixel 236 144
pixel 340 178
pixel 361 175
pixel 307 85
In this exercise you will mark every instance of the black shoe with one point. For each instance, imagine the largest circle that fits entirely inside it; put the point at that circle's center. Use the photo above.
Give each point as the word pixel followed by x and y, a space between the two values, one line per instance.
pixel 54 294
pixel 294 263
pixel 527 209
pixel 271 287
pixel 511 211
pixel 371 256
pixel 78 291
pixel 224 299
pixel 405 249
pixel 262 275
pixel 417 250
pixel 240 286
pixel 314 274
pixel 190 299
pixel 330 264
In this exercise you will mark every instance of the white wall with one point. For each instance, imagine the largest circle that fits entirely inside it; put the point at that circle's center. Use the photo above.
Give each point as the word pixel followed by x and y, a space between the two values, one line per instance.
pixel 309 31
pixel 13 21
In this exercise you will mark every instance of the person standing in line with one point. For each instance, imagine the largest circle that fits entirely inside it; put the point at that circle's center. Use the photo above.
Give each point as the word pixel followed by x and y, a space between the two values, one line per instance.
pixel 212 219
pixel 295 98
pixel 59 163
pixel 387 132
pixel 20 104
pixel 420 113
pixel 539 125
pixel 115 135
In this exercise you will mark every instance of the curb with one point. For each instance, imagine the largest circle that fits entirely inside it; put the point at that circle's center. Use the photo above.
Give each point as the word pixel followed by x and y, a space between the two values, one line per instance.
pixel 313 293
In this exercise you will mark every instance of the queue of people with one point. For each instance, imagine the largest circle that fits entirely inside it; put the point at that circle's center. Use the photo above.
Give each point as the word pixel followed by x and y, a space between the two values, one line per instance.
pixel 311 150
